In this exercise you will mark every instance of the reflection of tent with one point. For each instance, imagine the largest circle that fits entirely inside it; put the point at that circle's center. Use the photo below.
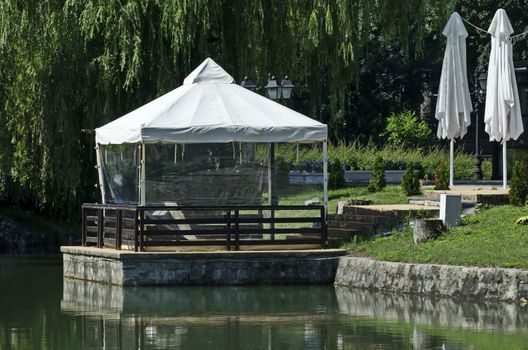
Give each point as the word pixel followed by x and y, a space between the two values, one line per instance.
pixel 209 108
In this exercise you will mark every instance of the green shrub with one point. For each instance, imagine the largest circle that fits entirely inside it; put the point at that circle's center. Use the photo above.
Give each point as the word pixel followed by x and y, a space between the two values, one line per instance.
pixel 441 177
pixel 377 177
pixel 410 181
pixel 407 130
pixel 519 184
pixel 359 156
pixel 337 175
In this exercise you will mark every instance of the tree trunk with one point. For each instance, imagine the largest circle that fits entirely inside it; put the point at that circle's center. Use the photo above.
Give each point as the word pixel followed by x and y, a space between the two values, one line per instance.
pixel 426 229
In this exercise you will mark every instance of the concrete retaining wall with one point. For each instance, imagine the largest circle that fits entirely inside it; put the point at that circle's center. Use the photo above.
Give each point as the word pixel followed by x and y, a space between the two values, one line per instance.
pixel 202 268
pixel 435 280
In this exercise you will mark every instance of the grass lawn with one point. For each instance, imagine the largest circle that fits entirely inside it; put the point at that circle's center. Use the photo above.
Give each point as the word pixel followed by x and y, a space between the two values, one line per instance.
pixel 489 238
pixel 392 194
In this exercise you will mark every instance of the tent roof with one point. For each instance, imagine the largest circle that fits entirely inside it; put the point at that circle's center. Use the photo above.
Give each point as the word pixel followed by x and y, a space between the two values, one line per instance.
pixel 210 108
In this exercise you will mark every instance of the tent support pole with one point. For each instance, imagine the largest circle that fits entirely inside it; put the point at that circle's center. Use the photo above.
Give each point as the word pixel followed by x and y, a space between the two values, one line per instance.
pixel 297 158
pixel 325 175
pixel 451 163
pixel 98 156
pixel 142 183
pixel 504 167
pixel 271 186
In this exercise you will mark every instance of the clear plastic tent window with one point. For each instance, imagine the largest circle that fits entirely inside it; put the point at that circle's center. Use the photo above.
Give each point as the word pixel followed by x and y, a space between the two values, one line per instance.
pixel 218 174
pixel 120 169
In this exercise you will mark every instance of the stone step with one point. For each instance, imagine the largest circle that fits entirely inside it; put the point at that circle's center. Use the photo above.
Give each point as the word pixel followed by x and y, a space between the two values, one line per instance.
pixel 371 219
pixel 435 202
pixel 475 194
pixel 344 233
pixel 352 225
pixel 430 202
pixel 402 210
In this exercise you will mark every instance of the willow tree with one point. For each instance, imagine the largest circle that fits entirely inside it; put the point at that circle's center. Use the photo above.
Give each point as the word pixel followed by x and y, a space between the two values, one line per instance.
pixel 69 66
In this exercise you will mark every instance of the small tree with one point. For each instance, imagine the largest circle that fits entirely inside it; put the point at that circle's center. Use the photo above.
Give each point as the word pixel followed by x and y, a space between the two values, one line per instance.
pixel 377 177
pixel 519 184
pixel 441 177
pixel 409 131
pixel 410 181
pixel 337 175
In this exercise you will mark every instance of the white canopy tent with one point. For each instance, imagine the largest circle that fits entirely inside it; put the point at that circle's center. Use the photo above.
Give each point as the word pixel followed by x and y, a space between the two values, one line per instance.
pixel 210 108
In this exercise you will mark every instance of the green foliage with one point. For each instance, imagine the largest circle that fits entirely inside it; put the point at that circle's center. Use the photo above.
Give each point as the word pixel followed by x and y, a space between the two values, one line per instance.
pixel 441 177
pixel 377 177
pixel 489 238
pixel 410 182
pixel 519 184
pixel 67 67
pixel 337 175
pixel 405 129
pixel 358 156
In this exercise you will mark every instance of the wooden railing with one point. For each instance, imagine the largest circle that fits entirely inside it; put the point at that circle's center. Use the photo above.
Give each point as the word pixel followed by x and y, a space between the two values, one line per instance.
pixel 150 227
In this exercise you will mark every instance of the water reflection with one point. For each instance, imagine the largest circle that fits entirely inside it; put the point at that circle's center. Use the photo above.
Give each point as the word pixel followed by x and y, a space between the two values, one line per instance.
pixel 446 313
pixel 201 317
pixel 312 317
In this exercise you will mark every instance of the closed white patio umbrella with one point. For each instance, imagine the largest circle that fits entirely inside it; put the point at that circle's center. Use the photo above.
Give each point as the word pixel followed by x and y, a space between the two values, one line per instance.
pixel 453 108
pixel 503 112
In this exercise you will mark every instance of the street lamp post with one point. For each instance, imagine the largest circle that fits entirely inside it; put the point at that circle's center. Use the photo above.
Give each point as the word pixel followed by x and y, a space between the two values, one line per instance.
pixel 276 92
pixel 279 92
pixel 480 89
pixel 248 84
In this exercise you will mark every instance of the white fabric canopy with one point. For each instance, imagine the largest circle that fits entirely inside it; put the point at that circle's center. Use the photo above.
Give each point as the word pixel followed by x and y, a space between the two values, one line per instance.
pixel 453 108
pixel 502 116
pixel 210 108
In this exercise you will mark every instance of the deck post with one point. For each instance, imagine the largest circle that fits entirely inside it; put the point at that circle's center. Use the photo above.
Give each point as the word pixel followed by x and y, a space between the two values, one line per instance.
pixel 100 228
pixel 141 230
pixel 325 176
pixel 237 233
pixel 324 229
pixel 271 187
pixel 119 229
pixel 136 230
pixel 98 157
pixel 83 227
pixel 228 229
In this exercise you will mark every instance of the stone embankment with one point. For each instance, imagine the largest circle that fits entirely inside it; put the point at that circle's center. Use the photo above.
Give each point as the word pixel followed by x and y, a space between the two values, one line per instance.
pixel 119 267
pixel 436 280
pixel 17 239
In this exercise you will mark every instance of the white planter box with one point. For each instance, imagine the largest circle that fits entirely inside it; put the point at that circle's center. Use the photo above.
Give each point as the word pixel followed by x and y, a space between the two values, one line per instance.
pixel 300 178
pixel 363 176
pixel 351 176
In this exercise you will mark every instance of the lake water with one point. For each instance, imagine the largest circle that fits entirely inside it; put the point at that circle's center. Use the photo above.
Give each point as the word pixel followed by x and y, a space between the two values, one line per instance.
pixel 38 310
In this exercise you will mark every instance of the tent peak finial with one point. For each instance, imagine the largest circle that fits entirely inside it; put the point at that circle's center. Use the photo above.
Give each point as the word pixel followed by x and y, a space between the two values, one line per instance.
pixel 208 72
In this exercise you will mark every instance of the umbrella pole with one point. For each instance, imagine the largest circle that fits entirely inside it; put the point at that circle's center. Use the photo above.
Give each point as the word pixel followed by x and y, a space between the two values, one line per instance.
pixel 451 162
pixel 504 167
